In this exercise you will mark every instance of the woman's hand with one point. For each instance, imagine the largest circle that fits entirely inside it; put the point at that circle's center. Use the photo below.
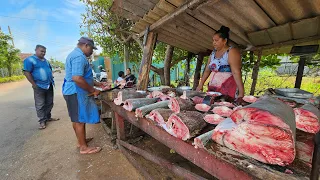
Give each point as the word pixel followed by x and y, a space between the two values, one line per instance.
pixel 199 88
pixel 239 101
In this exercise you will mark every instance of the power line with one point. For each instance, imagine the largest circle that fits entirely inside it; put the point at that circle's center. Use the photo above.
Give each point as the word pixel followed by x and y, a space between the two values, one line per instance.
pixel 38 19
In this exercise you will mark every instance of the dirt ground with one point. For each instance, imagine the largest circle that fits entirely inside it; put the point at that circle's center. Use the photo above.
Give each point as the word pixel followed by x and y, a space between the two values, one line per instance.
pixel 52 153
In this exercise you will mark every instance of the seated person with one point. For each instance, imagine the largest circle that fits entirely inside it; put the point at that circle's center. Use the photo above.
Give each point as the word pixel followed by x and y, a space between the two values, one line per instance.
pixel 130 77
pixel 121 76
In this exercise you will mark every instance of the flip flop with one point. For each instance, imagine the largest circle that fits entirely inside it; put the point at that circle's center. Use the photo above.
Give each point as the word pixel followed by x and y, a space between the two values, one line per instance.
pixel 87 140
pixel 91 150
pixel 54 119
pixel 42 126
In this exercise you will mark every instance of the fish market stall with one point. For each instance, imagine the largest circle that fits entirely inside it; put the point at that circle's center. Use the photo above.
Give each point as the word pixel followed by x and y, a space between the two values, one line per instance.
pixel 204 128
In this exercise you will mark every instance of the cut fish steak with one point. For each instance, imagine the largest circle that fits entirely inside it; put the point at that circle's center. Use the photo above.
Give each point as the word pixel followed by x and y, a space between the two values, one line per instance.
pixel 133 104
pixel 307 118
pixel 177 105
pixel 197 99
pixel 186 124
pixel 227 104
pixel 265 131
pixel 213 118
pixel 144 110
pixel 125 94
pixel 222 111
pixel 160 115
pixel 202 107
pixel 249 99
pixel 304 146
pixel 202 140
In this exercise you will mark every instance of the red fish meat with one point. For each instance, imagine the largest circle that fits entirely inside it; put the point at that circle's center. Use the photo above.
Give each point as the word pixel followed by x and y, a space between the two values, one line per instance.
pixel 227 104
pixel 222 111
pixel 197 99
pixel 307 118
pixel 185 125
pixel 160 115
pixel 177 105
pixel 202 107
pixel 265 131
pixel 213 118
pixel 249 99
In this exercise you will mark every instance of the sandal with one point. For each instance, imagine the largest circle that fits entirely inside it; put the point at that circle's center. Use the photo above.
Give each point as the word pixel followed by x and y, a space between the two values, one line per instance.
pixel 91 150
pixel 42 125
pixel 87 140
pixel 54 119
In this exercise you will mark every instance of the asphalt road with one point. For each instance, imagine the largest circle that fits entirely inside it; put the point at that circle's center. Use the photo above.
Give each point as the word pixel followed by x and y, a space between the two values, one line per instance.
pixel 29 153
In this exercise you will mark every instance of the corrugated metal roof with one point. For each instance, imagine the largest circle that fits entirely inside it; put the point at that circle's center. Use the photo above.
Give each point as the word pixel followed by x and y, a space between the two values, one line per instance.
pixel 257 23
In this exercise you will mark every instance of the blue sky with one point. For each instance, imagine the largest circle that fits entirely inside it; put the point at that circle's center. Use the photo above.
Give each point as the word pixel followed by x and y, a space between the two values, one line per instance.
pixel 57 24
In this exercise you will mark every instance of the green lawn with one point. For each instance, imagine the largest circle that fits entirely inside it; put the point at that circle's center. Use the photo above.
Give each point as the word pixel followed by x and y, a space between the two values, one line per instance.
pixel 11 79
pixel 268 79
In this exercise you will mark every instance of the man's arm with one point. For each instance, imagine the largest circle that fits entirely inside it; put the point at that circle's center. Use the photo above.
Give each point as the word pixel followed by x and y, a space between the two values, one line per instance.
pixel 30 78
pixel 79 80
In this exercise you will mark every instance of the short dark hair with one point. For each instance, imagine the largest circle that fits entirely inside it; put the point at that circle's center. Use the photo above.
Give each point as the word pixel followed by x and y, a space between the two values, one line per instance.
pixel 120 73
pixel 129 69
pixel 40 46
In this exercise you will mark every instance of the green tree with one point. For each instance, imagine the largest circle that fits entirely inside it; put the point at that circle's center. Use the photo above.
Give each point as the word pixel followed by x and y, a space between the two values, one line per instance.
pixel 112 33
pixel 56 63
pixel 9 56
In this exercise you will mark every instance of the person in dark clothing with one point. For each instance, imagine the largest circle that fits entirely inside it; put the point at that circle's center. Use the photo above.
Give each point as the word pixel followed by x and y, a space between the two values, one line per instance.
pixel 38 71
pixel 130 77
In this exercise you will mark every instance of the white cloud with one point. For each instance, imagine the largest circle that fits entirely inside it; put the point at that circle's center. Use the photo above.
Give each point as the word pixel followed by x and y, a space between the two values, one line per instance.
pixel 74 3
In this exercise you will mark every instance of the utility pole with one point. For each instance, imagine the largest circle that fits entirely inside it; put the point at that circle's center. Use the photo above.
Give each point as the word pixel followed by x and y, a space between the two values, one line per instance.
pixel 11 35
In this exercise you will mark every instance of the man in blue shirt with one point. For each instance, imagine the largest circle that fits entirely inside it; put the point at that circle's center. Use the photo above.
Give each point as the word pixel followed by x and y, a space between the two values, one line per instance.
pixel 78 91
pixel 39 73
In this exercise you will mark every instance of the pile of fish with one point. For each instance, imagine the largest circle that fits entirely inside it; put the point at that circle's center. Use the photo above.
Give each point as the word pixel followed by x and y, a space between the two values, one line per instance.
pixel 264 128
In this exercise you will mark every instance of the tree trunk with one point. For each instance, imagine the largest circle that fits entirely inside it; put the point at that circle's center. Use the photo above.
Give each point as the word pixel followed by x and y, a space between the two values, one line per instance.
pixel 145 66
pixel 197 72
pixel 255 73
pixel 126 56
pixel 187 69
pixel 160 72
pixel 167 63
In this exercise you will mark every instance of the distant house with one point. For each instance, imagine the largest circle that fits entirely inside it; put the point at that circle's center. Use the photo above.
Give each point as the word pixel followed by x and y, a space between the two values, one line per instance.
pixel 23 56
pixel 287 67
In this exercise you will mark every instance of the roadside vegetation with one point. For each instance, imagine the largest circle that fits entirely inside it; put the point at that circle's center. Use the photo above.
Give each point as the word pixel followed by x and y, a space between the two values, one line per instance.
pixel 11 79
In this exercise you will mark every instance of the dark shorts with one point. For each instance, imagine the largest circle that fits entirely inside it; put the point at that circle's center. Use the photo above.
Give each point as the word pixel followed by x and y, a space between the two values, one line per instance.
pixel 72 105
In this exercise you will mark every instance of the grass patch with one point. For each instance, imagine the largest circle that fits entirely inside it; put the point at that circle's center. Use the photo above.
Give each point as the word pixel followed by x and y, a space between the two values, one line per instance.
pixel 11 79
pixel 268 79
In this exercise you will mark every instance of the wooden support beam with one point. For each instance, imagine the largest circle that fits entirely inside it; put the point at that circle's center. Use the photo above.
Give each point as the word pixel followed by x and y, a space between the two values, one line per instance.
pixel 196 77
pixel 169 17
pixel 255 73
pixel 169 40
pixel 299 76
pixel 146 61
pixel 286 43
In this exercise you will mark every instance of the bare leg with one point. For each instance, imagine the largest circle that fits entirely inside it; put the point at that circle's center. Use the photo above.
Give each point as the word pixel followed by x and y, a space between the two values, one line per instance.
pixel 80 131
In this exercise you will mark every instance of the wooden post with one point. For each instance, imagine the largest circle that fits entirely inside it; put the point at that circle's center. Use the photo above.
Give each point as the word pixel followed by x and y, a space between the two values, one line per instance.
pixel 187 69
pixel 255 73
pixel 167 63
pixel 146 61
pixel 196 77
pixel 299 76
pixel 120 126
